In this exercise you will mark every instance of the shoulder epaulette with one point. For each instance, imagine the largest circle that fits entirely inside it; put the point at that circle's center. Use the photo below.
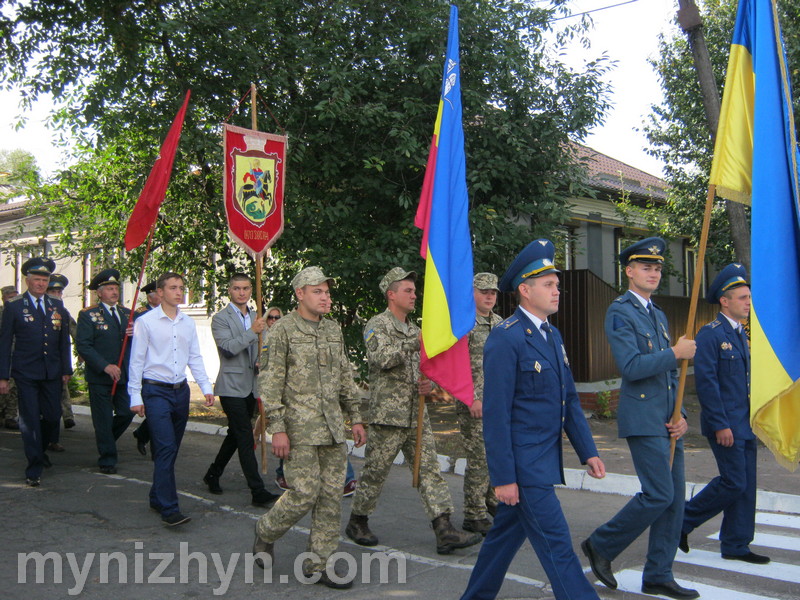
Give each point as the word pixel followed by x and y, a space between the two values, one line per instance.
pixel 510 322
pixel 715 323
pixel 16 298
pixel 619 299
pixel 92 307
pixel 140 310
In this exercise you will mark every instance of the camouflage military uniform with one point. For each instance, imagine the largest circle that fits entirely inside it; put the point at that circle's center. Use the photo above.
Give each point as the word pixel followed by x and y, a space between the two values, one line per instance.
pixel 393 357
pixel 477 490
pixel 8 402
pixel 307 387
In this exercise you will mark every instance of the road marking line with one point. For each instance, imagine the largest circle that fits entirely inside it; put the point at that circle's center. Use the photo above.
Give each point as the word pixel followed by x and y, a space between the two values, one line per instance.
pixel 773 570
pixel 417 558
pixel 630 580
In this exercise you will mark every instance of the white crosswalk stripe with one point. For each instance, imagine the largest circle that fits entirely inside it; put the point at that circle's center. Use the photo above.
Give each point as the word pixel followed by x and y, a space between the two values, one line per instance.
pixel 783 536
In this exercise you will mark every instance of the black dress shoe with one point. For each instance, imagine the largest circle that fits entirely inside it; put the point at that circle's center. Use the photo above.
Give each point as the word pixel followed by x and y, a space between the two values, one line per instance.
pixel 335 585
pixel 140 445
pixel 264 499
pixel 670 589
pixel 32 481
pixel 12 424
pixel 750 557
pixel 55 447
pixel 69 423
pixel 175 519
pixel 684 543
pixel 212 481
pixel 108 470
pixel 600 566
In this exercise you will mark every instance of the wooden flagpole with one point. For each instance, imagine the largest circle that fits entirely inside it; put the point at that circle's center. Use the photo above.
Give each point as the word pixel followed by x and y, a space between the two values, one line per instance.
pixel 258 259
pixel 698 274
pixel 133 304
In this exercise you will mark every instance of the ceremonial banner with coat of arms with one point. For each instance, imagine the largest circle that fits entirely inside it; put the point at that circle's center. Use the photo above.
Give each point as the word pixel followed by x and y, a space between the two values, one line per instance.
pixel 252 185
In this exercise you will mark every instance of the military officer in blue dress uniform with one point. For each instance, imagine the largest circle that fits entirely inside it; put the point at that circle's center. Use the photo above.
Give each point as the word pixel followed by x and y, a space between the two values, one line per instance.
pixel 142 433
pixel 529 399
pixel 101 331
pixel 35 351
pixel 722 379
pixel 638 333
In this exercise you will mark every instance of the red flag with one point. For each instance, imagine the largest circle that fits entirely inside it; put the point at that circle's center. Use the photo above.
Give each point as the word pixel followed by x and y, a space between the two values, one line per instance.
pixel 146 210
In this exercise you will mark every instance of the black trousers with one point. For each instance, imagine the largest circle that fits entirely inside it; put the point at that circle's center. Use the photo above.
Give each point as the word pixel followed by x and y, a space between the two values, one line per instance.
pixel 239 439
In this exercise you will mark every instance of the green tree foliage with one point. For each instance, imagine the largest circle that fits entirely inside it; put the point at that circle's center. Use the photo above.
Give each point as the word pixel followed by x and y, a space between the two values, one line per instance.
pixel 18 173
pixel 678 130
pixel 354 84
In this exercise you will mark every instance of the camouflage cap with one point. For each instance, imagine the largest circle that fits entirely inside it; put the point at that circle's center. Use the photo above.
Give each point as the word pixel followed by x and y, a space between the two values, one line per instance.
pixel 7 289
pixel 311 276
pixel 396 274
pixel 485 281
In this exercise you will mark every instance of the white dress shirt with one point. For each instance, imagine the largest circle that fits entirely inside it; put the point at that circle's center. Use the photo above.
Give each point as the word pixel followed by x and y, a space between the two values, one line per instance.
pixel 536 321
pixel 161 350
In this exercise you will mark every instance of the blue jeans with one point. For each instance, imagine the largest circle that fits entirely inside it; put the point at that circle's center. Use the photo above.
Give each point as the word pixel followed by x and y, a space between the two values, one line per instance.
pixel 167 413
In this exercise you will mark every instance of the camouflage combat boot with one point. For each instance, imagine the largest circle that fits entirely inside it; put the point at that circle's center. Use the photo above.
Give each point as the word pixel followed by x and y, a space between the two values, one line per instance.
pixel 448 538
pixel 358 531
pixel 481 526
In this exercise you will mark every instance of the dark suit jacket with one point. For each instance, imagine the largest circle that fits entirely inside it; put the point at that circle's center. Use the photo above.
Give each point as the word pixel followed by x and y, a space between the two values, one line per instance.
pixel 648 366
pixel 721 367
pixel 529 397
pixel 33 346
pixel 99 342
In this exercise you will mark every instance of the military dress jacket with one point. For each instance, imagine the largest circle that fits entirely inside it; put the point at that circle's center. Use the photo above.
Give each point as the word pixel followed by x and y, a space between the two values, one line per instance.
pixel 306 382
pixel 99 342
pixel 529 398
pixel 32 345
pixel 393 361
pixel 648 366
pixel 721 373
pixel 477 340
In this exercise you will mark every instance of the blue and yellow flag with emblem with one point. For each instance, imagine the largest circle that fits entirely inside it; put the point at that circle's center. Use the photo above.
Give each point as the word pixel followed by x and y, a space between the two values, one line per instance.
pixel 448 304
pixel 756 158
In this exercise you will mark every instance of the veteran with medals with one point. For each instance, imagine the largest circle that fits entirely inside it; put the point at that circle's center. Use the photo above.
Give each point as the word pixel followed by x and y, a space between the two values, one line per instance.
pixel 35 351
pixel 529 401
pixel 101 332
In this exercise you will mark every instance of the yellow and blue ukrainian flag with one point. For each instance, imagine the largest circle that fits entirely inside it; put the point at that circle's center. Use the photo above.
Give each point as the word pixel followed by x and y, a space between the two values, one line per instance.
pixel 448 305
pixel 756 157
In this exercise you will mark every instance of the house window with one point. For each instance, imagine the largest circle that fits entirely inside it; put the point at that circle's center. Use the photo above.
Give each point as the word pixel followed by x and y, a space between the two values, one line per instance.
pixel 689 263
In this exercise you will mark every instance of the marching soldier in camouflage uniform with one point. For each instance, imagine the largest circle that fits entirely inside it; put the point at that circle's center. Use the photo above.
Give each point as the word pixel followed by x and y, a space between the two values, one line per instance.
pixel 8 402
pixel 478 493
pixel 55 289
pixel 306 384
pixel 392 341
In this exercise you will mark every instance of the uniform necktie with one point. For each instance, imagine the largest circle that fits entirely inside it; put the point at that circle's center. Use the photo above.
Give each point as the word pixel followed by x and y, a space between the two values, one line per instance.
pixel 545 327
pixel 40 307
pixel 114 315
pixel 652 312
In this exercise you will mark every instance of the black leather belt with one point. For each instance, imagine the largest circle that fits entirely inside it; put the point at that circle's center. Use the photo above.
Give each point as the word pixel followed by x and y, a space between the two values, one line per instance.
pixel 172 386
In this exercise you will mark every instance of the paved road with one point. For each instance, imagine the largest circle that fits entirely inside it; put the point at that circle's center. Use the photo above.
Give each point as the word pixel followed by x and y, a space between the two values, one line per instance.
pixel 107 541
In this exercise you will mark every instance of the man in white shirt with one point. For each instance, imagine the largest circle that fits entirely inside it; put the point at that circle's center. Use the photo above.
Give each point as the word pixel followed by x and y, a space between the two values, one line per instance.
pixel 164 343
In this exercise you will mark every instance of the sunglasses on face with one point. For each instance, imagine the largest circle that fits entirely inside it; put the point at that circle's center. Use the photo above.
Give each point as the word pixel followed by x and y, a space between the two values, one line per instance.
pixel 273 317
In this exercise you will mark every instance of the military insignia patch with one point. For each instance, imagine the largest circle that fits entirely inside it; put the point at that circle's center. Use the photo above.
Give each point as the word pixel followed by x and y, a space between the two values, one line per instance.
pixel 653 250
pixel 368 335
pixel 528 331
pixel 726 346
pixel 564 353
pixel 537 367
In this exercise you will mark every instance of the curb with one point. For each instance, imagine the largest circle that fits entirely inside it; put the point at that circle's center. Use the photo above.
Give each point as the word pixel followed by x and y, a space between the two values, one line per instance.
pixel 576 479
